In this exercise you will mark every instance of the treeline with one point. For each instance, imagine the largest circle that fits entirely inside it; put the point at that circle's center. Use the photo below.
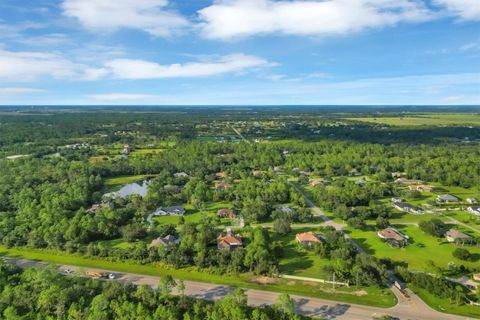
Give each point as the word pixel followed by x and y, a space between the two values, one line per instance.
pixel 45 294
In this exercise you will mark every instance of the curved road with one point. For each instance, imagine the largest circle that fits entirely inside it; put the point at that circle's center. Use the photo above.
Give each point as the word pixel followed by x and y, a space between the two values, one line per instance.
pixel 408 308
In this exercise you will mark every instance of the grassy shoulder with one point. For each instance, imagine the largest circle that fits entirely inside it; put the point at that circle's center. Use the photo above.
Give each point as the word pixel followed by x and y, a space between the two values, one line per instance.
pixel 444 305
pixel 368 296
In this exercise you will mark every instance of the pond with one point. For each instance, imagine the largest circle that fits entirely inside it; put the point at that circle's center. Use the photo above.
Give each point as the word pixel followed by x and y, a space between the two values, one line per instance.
pixel 129 189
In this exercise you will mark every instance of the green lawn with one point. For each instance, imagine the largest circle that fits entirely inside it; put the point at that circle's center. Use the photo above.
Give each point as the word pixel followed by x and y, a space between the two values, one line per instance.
pixel 443 305
pixel 112 183
pixel 420 250
pixel 298 261
pixel 369 296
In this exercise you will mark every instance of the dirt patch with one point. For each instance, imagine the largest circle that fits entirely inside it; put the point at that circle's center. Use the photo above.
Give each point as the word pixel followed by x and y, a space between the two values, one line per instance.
pixel 263 280
pixel 360 293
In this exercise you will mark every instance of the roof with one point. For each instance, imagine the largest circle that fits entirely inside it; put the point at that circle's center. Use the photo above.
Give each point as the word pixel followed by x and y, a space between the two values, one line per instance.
pixel 390 233
pixel 230 239
pixel 447 197
pixel 455 234
pixel 226 212
pixel 169 239
pixel 173 209
pixel 307 237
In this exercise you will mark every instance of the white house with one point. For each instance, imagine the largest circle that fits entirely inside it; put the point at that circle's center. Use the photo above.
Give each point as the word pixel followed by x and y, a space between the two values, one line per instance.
pixel 474 210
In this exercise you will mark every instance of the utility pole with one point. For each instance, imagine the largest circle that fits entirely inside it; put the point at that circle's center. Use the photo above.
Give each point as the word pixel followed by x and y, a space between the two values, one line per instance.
pixel 333 282
pixel 356 282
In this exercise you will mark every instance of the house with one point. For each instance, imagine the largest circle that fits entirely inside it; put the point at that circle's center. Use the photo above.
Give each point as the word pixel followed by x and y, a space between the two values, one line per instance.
pixel 307 238
pixel 362 180
pixel 453 235
pixel 476 277
pixel 180 175
pixel 408 181
pixel 93 209
pixel 229 241
pixel 220 174
pixel 393 237
pixel 126 149
pixel 471 200
pixel 397 174
pixel 284 209
pixel 406 207
pixel 316 182
pixel 422 188
pixel 226 213
pixel 396 199
pixel 221 186
pixel 446 198
pixel 165 241
pixel 171 211
pixel 257 173
pixel 474 210
pixel 166 211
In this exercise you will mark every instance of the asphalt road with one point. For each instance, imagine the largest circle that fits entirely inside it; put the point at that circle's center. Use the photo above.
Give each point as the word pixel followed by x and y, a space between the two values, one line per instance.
pixel 408 308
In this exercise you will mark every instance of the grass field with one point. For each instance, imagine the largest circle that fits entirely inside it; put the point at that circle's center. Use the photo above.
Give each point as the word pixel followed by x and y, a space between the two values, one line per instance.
pixel 444 305
pixel 298 261
pixel 426 119
pixel 112 183
pixel 421 248
pixel 369 296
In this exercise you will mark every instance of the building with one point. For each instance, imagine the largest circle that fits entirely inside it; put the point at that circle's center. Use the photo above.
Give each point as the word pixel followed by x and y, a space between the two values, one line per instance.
pixel 476 277
pixel 226 213
pixel 453 235
pixel 474 210
pixel 422 188
pixel 307 238
pixel 257 173
pixel 362 180
pixel 228 241
pixel 446 198
pixel 93 209
pixel 406 207
pixel 220 175
pixel 171 211
pixel 471 200
pixel 165 241
pixel 284 209
pixel 126 149
pixel 316 182
pixel 180 175
pixel 396 199
pixel 221 186
pixel 408 181
pixel 166 211
pixel 393 237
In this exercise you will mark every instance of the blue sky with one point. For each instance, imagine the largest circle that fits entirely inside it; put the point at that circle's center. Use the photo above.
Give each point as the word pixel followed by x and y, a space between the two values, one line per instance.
pixel 239 52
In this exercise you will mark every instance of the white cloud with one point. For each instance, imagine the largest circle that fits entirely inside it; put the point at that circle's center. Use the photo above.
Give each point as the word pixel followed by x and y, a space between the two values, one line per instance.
pixel 471 46
pixel 152 16
pixel 464 9
pixel 28 66
pixel 18 91
pixel 53 39
pixel 121 96
pixel 141 69
pixel 227 19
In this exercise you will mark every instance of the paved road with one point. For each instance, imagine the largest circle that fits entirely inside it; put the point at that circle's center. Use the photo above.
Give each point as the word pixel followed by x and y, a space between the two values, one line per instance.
pixel 408 309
